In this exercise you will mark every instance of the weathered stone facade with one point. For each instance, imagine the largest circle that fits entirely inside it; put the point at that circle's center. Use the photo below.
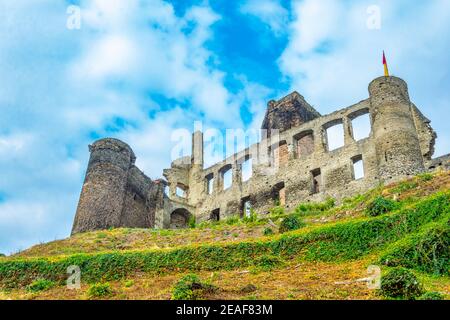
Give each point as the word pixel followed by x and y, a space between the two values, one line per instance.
pixel 292 166
pixel 115 192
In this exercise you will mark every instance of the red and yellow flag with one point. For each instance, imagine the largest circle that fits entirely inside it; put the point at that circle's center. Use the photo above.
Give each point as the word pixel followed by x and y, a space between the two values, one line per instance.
pixel 386 69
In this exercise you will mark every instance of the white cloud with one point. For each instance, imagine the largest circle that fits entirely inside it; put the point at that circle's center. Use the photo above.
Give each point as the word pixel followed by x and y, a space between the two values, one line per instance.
pixel 332 56
pixel 58 87
pixel 13 145
pixel 270 12
pixel 113 55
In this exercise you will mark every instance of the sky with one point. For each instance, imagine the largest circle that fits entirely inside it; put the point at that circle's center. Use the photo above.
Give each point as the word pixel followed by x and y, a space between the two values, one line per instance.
pixel 141 70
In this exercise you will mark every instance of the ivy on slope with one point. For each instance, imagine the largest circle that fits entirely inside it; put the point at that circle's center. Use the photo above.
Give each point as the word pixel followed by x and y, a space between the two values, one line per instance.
pixel 427 251
pixel 338 242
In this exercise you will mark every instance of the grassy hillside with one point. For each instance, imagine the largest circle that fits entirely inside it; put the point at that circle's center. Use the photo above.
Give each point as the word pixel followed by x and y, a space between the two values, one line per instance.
pixel 405 224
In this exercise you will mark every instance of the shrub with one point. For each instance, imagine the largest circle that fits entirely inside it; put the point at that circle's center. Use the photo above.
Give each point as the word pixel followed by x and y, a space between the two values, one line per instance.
pixel 40 285
pixel 102 235
pixel 427 251
pixel 268 262
pixel 232 220
pixel 314 207
pixel 405 186
pixel 268 232
pixel 291 223
pixel 192 223
pixel 100 290
pixel 190 287
pixel 252 218
pixel 2 255
pixel 401 283
pixel 425 177
pixel 431 296
pixel 380 206
pixel 277 211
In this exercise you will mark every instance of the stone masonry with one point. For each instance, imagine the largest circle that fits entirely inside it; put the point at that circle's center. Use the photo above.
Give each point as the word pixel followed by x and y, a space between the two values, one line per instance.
pixel 292 164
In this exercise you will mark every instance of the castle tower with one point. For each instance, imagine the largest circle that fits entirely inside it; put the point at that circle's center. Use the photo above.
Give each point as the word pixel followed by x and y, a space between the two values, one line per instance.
pixel 102 197
pixel 396 140
pixel 289 112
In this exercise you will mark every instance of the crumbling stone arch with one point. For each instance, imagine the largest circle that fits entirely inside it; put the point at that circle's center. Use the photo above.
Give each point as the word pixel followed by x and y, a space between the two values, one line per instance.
pixel 179 218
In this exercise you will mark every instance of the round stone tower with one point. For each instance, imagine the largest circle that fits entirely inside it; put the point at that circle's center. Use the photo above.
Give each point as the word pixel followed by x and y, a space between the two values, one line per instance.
pixel 102 197
pixel 396 140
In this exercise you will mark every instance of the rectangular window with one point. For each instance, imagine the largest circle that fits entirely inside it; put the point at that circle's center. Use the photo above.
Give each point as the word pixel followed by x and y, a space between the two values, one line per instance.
pixel 210 184
pixel 279 194
pixel 361 127
pixel 358 168
pixel 305 144
pixel 215 215
pixel 246 207
pixel 316 181
pixel 247 170
pixel 281 154
pixel 227 179
pixel 335 136
pixel 181 192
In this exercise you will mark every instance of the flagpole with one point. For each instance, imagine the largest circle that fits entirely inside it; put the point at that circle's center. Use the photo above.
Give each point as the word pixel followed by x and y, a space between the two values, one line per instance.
pixel 386 69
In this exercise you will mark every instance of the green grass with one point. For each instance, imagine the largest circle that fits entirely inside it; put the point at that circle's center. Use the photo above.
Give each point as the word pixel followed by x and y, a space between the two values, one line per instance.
pixel 191 287
pixel 312 208
pixel 335 242
pixel 405 186
pixel 100 290
pixel 40 285
pixel 426 251
pixel 380 205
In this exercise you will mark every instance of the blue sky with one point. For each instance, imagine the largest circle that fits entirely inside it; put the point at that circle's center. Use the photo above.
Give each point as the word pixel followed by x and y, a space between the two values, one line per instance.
pixel 137 70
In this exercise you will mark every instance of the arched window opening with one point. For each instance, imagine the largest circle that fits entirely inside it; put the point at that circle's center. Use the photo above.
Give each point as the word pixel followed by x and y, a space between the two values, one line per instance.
pixel 179 219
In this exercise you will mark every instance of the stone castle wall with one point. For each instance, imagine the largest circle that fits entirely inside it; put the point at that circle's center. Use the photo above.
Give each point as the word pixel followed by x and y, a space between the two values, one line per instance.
pixel 288 168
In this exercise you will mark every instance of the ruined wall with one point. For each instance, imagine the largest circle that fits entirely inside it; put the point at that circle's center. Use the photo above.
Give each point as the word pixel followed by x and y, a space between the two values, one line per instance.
pixel 295 173
pixel 298 163
pixel 287 113
pixel 440 163
pixel 427 136
pixel 139 203
pixel 295 166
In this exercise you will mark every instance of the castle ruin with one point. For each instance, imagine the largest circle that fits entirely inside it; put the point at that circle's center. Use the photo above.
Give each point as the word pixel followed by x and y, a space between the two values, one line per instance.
pixel 294 166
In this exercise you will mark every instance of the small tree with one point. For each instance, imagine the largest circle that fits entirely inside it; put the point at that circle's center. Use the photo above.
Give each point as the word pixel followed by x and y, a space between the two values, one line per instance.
pixel 401 283
pixel 380 206
pixel 291 223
